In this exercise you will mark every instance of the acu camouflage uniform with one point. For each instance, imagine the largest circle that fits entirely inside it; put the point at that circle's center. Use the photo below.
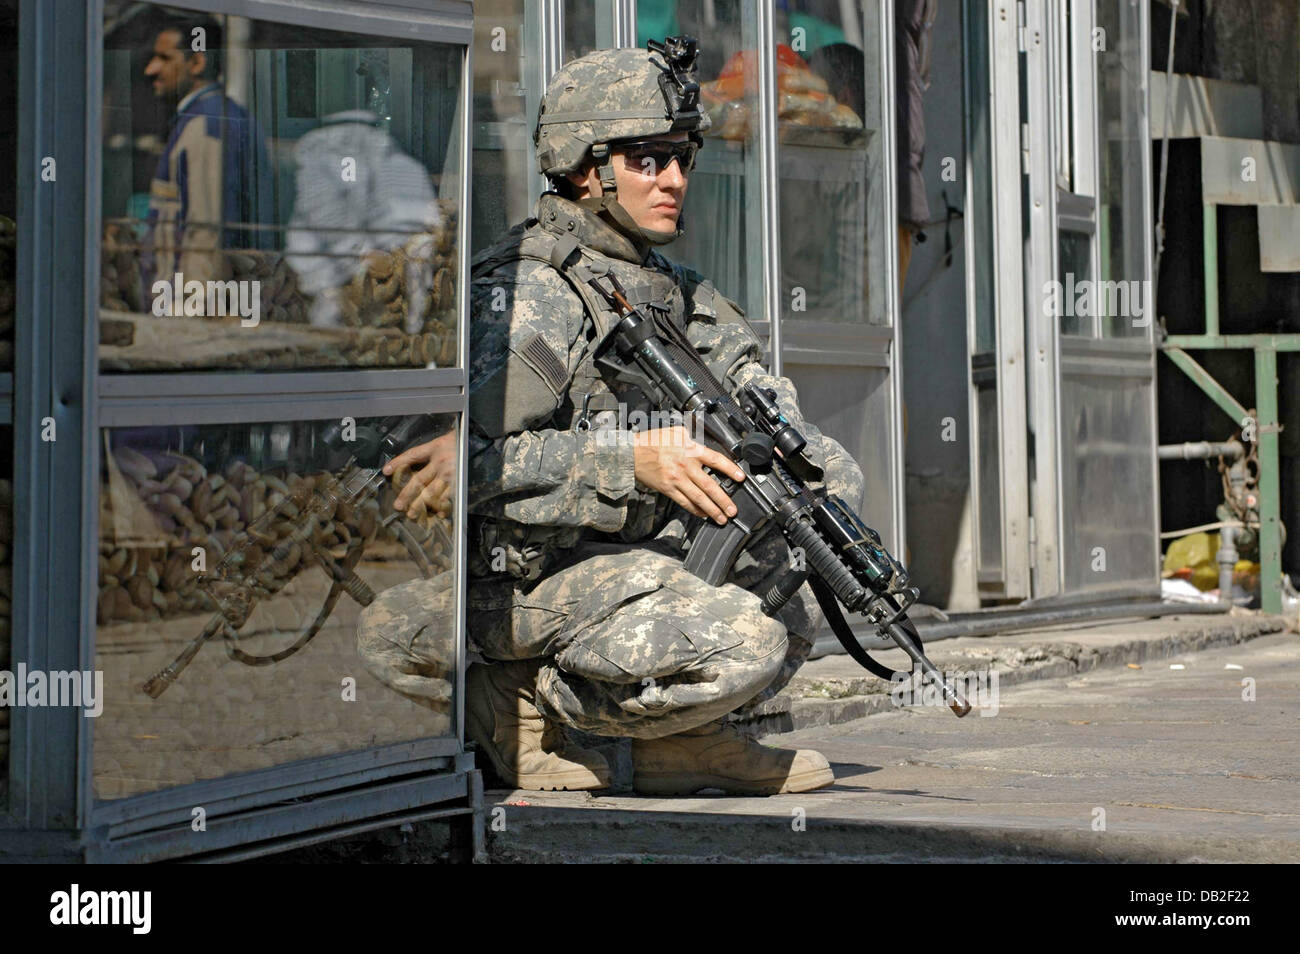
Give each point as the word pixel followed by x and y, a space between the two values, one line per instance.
pixel 590 573
pixel 572 561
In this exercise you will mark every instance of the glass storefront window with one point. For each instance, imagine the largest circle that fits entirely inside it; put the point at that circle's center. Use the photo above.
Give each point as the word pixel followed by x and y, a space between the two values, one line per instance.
pixel 588 26
pixel 8 178
pixel 1074 264
pixel 833 176
pixel 6 590
pixel 722 211
pixel 275 196
pixel 1124 159
pixel 223 547
pixel 8 254
pixel 506 97
pixel 980 254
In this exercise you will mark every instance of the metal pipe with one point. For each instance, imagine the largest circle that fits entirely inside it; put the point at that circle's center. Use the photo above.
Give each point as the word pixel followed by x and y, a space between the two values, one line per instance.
pixel 998 622
pixel 1123 593
pixel 1227 560
pixel 1201 450
pixel 1210 245
pixel 1270 488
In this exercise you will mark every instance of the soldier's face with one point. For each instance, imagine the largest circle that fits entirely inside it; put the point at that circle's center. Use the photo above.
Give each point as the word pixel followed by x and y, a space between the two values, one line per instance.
pixel 652 192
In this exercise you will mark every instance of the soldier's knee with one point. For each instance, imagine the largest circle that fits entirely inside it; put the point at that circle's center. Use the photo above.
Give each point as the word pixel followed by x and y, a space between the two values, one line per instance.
pixel 410 627
pixel 678 625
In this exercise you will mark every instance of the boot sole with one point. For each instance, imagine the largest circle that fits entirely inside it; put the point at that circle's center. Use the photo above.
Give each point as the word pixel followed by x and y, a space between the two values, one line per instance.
pixel 676 783
pixel 558 782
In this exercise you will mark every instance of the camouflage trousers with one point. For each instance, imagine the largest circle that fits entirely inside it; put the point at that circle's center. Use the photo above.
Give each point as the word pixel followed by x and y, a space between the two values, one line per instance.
pixel 631 644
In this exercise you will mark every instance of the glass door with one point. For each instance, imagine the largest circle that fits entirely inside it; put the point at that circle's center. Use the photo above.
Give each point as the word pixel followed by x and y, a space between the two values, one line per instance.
pixel 1092 403
pixel 837 283
pixel 995 300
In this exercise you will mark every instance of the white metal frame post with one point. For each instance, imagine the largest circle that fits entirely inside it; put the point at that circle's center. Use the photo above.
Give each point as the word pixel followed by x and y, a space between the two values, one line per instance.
pixel 769 184
pixel 892 308
pixel 1042 335
pixel 1007 282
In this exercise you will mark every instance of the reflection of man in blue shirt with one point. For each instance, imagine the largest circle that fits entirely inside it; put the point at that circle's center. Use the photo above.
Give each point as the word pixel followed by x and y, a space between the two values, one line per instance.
pixel 214 173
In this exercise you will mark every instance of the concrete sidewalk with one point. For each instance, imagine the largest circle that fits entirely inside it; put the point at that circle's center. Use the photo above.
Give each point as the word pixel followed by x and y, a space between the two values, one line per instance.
pixel 1099 751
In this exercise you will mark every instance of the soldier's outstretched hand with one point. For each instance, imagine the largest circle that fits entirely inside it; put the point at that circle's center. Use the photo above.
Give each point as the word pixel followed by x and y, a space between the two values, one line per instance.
pixel 670 461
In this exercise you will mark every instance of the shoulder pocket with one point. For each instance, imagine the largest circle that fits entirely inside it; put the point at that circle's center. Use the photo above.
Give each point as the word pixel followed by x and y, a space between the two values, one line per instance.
pixel 521 392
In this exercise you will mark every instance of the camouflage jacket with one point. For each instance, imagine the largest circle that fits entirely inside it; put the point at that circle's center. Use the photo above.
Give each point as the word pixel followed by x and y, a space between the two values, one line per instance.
pixel 539 480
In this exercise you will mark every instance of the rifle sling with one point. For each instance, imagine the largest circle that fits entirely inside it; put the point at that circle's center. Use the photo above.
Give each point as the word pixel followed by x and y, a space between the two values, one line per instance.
pixel 835 616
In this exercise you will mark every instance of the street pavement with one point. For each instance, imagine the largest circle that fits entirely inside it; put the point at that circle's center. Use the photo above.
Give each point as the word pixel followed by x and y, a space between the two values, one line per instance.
pixel 1192 757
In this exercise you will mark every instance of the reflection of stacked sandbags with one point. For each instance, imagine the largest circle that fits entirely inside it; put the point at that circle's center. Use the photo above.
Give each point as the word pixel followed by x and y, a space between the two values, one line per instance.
pixel 412 288
pixel 120 288
pixel 803 97
pixel 278 292
pixel 8 233
pixel 150 573
pixel 119 270
pixel 6 602
pixel 401 303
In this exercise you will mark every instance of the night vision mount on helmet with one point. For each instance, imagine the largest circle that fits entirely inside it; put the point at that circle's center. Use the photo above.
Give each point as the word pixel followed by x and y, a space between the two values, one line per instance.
pixel 677 83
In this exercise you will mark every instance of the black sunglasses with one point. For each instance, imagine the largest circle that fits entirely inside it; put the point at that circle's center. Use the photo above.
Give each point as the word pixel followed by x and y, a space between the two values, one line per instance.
pixel 660 153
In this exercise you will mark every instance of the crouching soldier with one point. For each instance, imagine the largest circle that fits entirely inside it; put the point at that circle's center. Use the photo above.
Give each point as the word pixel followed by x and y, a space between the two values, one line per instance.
pixel 578 596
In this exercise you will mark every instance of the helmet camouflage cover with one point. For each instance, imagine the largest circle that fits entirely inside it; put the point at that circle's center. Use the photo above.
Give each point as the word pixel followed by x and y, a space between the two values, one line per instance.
pixel 611 95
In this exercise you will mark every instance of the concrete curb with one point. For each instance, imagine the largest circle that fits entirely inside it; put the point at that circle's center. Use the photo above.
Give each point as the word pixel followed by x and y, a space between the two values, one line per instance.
pixel 800 707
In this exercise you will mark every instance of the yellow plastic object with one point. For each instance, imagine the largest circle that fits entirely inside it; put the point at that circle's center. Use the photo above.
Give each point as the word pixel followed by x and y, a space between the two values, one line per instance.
pixel 1246 575
pixel 1194 556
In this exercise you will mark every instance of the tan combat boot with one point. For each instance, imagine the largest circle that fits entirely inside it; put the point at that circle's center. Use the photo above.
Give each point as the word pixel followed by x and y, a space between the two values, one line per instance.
pixel 719 755
pixel 526 750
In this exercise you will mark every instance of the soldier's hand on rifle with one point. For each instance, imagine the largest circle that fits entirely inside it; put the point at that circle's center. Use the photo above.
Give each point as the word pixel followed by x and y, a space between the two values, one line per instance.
pixel 429 488
pixel 670 461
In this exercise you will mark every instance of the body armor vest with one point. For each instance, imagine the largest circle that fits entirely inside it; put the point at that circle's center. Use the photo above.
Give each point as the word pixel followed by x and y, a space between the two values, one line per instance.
pixel 569 239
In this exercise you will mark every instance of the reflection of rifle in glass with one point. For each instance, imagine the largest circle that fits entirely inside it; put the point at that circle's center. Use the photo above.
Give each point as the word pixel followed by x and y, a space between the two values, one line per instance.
pixel 844 558
pixel 260 561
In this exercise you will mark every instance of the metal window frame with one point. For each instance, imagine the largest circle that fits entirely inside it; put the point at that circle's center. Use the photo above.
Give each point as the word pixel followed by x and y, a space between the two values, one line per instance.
pixel 1042 338
pixel 56 488
pixel 1148 255
pixel 50 506
pixel 624 22
pixel 1075 142
pixel 430 21
pixel 200 398
pixel 1083 62
pixel 893 306
pixel 769 220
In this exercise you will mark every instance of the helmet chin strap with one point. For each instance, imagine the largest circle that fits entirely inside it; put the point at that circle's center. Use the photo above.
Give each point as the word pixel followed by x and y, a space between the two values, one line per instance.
pixel 609 204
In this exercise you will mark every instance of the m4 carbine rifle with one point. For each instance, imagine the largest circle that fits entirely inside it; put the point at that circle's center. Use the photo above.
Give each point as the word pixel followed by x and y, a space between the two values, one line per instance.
pixel 241 579
pixel 843 559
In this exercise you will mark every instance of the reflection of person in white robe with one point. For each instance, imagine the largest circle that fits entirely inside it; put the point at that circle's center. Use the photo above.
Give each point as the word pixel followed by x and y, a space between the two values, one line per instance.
pixel 357 192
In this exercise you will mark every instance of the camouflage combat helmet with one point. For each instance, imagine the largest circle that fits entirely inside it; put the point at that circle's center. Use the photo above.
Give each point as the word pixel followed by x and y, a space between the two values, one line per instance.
pixel 613 95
